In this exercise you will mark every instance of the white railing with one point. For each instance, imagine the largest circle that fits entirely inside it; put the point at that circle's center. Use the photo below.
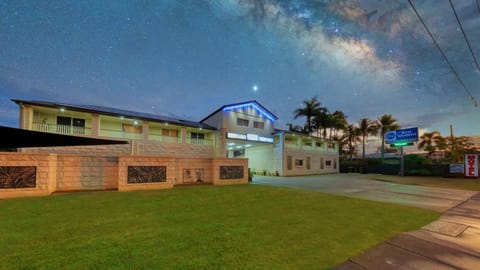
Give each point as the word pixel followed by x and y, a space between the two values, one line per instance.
pixel 199 141
pixel 62 129
pixel 161 138
pixel 119 134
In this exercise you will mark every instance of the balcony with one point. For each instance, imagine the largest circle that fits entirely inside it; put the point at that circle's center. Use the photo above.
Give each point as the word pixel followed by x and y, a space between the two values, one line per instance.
pixel 199 141
pixel 120 134
pixel 62 129
pixel 162 138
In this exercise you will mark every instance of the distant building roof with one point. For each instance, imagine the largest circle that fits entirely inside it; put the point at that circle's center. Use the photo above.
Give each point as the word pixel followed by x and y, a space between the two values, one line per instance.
pixel 252 103
pixel 19 138
pixel 116 112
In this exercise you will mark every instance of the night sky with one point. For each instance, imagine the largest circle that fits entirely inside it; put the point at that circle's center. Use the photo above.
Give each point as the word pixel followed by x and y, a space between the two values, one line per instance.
pixel 187 58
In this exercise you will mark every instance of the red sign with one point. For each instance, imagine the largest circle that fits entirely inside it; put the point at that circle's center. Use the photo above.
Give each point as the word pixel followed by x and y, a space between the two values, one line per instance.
pixel 471 165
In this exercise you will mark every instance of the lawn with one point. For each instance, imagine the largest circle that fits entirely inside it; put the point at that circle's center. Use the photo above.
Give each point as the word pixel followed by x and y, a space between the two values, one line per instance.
pixel 203 227
pixel 441 182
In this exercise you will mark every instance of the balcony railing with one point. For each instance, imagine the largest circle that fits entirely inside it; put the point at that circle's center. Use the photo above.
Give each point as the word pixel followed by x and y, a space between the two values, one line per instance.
pixel 119 134
pixel 161 138
pixel 199 141
pixel 62 129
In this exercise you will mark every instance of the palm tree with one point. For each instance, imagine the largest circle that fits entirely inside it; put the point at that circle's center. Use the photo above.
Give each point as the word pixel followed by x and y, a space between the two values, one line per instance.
pixel 338 121
pixel 352 135
pixel 310 108
pixel 430 141
pixel 322 121
pixel 366 127
pixel 386 123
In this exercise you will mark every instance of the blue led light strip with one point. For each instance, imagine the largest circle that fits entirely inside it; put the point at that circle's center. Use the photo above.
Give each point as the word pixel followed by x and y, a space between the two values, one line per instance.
pixel 240 106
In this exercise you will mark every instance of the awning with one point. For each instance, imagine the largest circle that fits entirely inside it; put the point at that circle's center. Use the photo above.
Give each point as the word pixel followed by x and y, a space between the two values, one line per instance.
pixel 18 138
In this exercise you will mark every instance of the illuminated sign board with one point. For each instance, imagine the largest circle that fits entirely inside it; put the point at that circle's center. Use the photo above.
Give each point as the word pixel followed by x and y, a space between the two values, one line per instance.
pixel 252 137
pixel 249 137
pixel 236 136
pixel 471 165
pixel 401 136
pixel 265 139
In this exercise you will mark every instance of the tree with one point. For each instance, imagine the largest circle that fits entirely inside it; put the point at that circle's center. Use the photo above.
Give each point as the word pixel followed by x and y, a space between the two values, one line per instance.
pixel 431 141
pixel 310 109
pixel 366 127
pixel 338 121
pixel 295 128
pixel 386 123
pixel 322 121
pixel 352 135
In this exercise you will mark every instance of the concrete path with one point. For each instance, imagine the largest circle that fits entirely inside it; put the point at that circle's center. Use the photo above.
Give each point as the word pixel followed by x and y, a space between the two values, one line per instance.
pixel 359 186
pixel 451 242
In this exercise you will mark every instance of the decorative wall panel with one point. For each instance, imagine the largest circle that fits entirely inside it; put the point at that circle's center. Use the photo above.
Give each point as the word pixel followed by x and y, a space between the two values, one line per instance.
pixel 193 175
pixel 146 174
pixel 231 172
pixel 18 176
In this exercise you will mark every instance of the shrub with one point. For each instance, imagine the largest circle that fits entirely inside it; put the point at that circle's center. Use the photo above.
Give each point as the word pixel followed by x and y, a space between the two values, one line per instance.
pixel 424 172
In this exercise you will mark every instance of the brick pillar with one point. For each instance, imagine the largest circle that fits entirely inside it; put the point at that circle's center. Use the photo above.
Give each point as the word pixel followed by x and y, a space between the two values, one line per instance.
pixel 183 133
pixel 95 125
pixel 145 130
pixel 221 143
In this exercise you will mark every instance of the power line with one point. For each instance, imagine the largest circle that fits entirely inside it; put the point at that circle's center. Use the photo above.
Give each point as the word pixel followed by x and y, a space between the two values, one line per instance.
pixel 443 54
pixel 464 35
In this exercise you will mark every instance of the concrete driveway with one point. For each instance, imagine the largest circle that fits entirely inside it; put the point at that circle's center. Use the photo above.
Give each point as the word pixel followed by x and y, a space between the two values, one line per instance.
pixel 359 186
pixel 451 242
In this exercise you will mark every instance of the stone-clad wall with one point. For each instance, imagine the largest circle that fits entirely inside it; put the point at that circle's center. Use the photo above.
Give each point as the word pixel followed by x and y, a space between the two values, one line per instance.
pixel 171 149
pixel 45 173
pixel 86 173
pixel 229 162
pixel 91 172
pixel 94 150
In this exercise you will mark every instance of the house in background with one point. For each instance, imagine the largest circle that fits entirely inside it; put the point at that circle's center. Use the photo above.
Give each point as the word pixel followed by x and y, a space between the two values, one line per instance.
pixel 239 130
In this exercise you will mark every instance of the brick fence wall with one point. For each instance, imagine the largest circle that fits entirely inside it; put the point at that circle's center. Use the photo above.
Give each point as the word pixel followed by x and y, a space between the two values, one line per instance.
pixel 40 174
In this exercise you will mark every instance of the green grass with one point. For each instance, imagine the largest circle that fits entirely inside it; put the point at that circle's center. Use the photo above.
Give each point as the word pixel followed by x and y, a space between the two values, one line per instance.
pixel 233 227
pixel 441 182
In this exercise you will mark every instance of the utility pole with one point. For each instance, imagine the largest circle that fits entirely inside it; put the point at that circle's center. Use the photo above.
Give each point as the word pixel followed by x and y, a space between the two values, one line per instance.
pixel 451 137
pixel 401 162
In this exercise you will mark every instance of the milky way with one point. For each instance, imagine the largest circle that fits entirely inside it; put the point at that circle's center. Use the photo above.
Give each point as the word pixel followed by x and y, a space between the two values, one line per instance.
pixel 187 58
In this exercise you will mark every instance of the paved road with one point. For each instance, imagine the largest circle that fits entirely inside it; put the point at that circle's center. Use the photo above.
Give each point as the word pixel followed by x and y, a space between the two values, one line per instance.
pixel 451 242
pixel 359 186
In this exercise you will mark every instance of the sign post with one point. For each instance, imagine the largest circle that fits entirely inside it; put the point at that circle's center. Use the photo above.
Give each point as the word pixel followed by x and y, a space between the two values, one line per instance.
pixel 401 138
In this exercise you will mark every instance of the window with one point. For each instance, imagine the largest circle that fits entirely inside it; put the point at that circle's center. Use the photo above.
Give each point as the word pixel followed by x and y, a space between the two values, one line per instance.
pixel 289 162
pixel 318 144
pixel 132 128
pixel 259 125
pixel 197 138
pixel 78 126
pixel 322 164
pixel 238 153
pixel 298 162
pixel 170 132
pixel 64 124
pixel 242 122
pixel 331 145
pixel 308 163
pixel 328 163
pixel 307 142
pixel 334 163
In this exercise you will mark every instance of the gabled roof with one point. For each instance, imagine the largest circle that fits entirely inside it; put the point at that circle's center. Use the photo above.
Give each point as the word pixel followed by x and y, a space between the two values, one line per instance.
pixel 116 112
pixel 252 103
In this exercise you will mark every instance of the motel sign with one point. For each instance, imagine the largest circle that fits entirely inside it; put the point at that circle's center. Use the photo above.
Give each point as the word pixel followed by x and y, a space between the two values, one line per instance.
pixel 471 165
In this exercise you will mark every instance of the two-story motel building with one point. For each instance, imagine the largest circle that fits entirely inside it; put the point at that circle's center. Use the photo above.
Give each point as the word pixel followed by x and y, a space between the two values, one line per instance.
pixel 240 130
